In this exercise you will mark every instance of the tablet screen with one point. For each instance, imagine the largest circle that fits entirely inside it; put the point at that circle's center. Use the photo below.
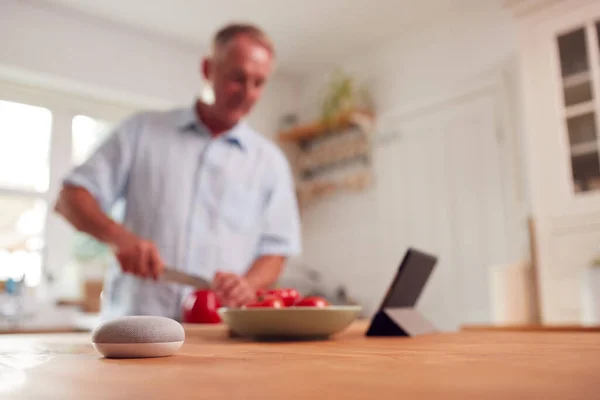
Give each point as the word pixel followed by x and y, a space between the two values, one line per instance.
pixel 412 275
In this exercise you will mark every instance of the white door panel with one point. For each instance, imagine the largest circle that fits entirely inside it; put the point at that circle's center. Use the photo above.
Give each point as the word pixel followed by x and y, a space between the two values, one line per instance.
pixel 440 190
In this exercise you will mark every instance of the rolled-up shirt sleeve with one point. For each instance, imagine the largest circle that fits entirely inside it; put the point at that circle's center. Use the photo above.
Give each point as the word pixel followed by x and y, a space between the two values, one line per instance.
pixel 106 173
pixel 281 234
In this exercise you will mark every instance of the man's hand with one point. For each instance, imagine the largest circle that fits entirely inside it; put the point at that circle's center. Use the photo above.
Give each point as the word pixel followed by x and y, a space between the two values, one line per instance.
pixel 233 290
pixel 138 256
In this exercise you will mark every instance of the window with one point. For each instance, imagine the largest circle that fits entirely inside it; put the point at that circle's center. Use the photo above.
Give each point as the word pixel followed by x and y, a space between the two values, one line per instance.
pixel 24 146
pixel 42 136
pixel 24 179
pixel 21 238
pixel 88 134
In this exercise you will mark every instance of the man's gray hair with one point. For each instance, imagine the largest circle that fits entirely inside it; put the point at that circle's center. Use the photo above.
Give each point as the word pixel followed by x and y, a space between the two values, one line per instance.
pixel 230 31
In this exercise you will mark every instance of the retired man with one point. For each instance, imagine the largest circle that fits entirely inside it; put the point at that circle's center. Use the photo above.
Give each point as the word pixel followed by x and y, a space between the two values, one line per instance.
pixel 204 192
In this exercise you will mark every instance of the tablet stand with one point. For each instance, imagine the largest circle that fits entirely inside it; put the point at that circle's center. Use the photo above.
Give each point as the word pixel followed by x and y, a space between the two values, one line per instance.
pixel 399 322
pixel 397 315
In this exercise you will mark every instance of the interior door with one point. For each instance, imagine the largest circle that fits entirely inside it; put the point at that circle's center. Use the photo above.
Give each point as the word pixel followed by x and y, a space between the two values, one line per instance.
pixel 479 217
pixel 414 211
pixel 440 190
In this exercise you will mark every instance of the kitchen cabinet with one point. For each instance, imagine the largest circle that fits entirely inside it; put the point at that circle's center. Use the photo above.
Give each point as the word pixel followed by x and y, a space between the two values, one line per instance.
pixel 575 49
pixel 559 51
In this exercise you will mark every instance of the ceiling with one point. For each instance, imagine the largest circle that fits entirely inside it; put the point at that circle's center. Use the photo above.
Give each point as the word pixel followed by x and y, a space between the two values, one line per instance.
pixel 308 34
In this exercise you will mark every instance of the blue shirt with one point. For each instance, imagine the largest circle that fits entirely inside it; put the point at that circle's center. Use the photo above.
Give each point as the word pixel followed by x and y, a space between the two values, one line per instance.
pixel 208 204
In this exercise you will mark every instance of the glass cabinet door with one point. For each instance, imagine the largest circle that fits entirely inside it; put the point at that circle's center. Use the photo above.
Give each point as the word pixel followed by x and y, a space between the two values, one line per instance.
pixel 578 51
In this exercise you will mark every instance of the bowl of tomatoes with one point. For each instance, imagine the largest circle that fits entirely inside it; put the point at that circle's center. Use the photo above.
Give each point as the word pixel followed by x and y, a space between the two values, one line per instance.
pixel 285 314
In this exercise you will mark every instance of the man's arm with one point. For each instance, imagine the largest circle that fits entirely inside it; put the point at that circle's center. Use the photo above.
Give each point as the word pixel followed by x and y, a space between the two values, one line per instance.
pixel 82 211
pixel 94 186
pixel 265 271
pixel 235 290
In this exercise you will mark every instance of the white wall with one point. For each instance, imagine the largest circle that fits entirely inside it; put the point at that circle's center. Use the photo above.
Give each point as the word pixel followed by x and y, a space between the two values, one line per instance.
pixel 96 54
pixel 431 62
pixel 57 48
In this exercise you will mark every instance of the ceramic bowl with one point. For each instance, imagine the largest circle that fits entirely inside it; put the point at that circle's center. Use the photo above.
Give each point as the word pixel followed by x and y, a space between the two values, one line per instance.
pixel 289 322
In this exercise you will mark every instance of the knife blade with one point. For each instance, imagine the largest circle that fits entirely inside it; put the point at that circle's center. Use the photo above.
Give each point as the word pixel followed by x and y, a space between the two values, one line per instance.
pixel 171 275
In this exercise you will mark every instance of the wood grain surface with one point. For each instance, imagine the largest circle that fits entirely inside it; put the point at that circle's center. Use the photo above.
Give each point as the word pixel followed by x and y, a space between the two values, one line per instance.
pixel 212 365
pixel 532 328
pixel 42 329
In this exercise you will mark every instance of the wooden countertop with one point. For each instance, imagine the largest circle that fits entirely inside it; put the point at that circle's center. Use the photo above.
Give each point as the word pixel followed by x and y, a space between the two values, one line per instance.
pixel 51 320
pixel 532 328
pixel 211 365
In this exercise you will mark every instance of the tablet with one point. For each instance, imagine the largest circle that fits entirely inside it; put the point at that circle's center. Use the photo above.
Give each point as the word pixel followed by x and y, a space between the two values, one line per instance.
pixel 409 282
pixel 396 314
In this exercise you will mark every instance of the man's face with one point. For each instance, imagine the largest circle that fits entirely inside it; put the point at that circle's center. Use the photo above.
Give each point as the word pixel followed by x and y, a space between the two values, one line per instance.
pixel 238 73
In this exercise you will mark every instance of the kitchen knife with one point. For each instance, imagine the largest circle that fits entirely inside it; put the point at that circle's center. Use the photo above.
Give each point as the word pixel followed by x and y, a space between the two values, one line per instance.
pixel 171 275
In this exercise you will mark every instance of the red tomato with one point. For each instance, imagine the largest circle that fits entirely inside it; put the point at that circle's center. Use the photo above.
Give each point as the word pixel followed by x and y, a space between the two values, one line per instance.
pixel 267 301
pixel 312 301
pixel 289 295
pixel 201 308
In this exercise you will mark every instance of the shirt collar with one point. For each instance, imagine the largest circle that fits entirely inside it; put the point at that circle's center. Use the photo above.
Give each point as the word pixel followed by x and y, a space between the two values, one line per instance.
pixel 188 120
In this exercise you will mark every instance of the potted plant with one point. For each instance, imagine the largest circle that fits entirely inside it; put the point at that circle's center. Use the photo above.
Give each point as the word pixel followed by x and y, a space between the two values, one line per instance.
pixel 343 94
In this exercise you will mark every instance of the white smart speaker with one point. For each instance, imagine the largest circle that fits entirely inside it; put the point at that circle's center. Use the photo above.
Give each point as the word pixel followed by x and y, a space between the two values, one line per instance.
pixel 138 337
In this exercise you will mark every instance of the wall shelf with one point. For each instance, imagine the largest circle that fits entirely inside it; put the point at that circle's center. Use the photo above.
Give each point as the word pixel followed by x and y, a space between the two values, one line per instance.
pixel 580 109
pixel 585 148
pixel 318 129
pixel 328 157
pixel 577 79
